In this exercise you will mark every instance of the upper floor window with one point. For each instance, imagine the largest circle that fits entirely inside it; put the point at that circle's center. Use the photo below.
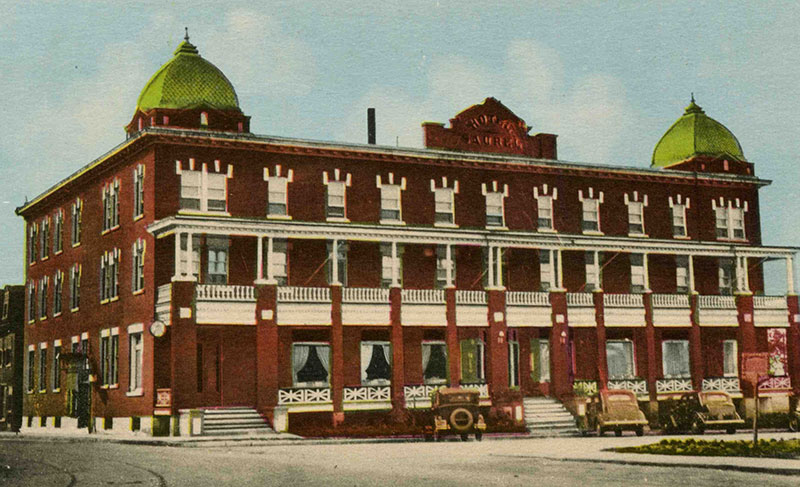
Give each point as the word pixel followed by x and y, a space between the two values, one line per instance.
pixel 678 207
pixel 44 238
pixel 730 356
pixel 280 261
pixel 6 299
pixel 43 367
pixel 33 234
pixel 638 280
pixel 109 275
pixel 58 288
pixel 590 220
pixel 43 285
pixel 592 270
pixel 204 119
pixel 56 377
pixel 376 363
pixel 278 191
pixel 445 267
pixel 203 190
pixel 727 276
pixel 391 264
pixel 217 271
pixel 547 269
pixel 137 271
pixel 135 355
pixel 336 190
pixel 111 205
pixel 444 202
pixel 58 231
pixel 682 274
pixel 544 207
pixel 77 212
pixel 729 218
pixel 138 191
pixel 636 204
pixel 337 263
pixel 75 287
pixel 31 301
pixel 495 208
pixel 391 199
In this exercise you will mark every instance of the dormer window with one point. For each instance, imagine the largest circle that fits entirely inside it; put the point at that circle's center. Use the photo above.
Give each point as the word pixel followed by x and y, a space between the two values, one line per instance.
pixel 729 218
pixel 590 221
pixel 336 189
pixel 678 207
pixel 444 202
pixel 202 190
pixel 204 119
pixel 636 204
pixel 544 207
pixel 495 207
pixel 391 199
pixel 278 191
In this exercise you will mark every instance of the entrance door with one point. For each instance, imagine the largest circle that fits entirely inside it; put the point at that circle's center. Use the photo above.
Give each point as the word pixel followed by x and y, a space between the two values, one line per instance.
pixel 540 364
pixel 226 365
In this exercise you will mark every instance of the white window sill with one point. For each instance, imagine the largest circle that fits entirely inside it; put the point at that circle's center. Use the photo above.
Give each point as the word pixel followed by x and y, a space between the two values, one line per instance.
pixel 732 240
pixel 445 225
pixel 135 393
pixel 279 217
pixel 392 222
pixel 203 213
pixel 595 233
pixel 45 258
pixel 138 217
pixel 43 318
pixel 104 232
pixel 337 219
pixel 74 310
pixel 55 391
pixel 57 252
pixel 56 315
pixel 138 292
pixel 638 235
pixel 546 230
pixel 76 245
pixel 496 227
pixel 681 237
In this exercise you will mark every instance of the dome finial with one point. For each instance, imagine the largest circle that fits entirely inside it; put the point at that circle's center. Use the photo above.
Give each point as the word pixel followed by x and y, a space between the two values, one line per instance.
pixel 186 37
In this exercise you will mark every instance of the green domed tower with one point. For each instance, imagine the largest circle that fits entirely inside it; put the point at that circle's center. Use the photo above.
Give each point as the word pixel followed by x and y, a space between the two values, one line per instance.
pixel 189 92
pixel 696 136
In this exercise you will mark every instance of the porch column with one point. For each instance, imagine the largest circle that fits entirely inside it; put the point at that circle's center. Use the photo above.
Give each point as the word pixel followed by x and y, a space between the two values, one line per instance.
pixel 395 267
pixel 453 345
pixel 190 257
pixel 260 260
pixel 337 358
pixel 178 268
pixel 597 281
pixel 449 266
pixel 490 268
pixel 559 270
pixel 270 258
pixel 559 345
pixel 398 370
pixel 789 275
pixel 695 344
pixel 691 274
pixel 267 346
pixel 650 346
pixel 745 275
pixel 646 271
pixel 498 344
pixel 602 359
pixel 499 262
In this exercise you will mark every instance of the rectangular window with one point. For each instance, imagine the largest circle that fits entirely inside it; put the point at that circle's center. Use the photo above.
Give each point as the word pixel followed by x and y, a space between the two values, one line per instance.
pixel 442 264
pixel 434 362
pixel 727 276
pixel 217 270
pixel 495 216
pixel 546 270
pixel 341 263
pixel 31 301
pixel 31 369
pixel 77 213
pixel 190 190
pixel 280 261
pixel 540 360
pixel 730 358
pixel 75 287
pixel 138 191
pixel 444 202
pixel 591 215
pixel 473 361
pixel 737 223
pixel 58 231
pixel 6 299
pixel 513 363
pixel 109 356
pixel 135 362
pixel 637 273
pixel 43 285
pixel 387 265
pixel 203 191
pixel 636 218
pixel 391 209
pixel 32 235
pixel 58 287
pixel 111 205
pixel 376 363
pixel 311 364
pixel 592 269
pixel 544 204
pixel 195 254
pixel 336 199
pixel 675 358
pixel 44 238
pixel 619 355
pixel 721 218
pixel 278 196
pixel 56 386
pixel 109 275
pixel 137 271
pixel 678 220
pixel 42 368
pixel 681 274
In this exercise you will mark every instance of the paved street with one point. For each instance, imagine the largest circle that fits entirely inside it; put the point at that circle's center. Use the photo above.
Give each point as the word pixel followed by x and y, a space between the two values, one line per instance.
pixel 505 462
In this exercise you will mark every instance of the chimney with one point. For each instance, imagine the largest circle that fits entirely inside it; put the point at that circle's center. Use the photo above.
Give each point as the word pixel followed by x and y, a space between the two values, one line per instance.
pixel 371 126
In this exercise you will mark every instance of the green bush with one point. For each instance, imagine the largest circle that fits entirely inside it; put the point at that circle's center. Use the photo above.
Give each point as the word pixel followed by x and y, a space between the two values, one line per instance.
pixel 719 448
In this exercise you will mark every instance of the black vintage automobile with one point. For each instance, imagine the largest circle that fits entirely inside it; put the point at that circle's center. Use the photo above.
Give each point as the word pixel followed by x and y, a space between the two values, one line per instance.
pixel 456 411
pixel 699 411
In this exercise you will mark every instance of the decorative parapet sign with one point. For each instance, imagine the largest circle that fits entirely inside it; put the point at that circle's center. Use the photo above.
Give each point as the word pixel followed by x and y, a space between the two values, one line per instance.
pixel 163 398
pixel 754 366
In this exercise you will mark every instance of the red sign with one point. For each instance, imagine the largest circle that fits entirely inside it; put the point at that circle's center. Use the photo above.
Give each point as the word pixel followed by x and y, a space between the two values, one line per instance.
pixel 163 398
pixel 755 365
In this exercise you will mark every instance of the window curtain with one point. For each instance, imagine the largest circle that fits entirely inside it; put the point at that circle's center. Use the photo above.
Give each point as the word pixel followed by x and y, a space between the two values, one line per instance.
pixel 676 358
pixel 299 359
pixel 544 361
pixel 426 356
pixel 435 367
pixel 619 355
pixel 324 355
pixel 378 366
pixel 469 351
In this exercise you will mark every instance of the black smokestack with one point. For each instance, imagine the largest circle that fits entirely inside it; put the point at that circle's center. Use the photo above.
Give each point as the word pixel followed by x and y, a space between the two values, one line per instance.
pixel 371 126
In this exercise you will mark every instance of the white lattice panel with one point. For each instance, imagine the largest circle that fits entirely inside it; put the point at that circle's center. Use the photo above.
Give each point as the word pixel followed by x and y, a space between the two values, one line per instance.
pixel 638 386
pixel 668 386
pixel 306 395
pixel 727 384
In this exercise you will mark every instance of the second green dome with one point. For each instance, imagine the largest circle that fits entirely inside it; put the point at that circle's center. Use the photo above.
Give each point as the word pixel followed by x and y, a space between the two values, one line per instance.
pixel 695 133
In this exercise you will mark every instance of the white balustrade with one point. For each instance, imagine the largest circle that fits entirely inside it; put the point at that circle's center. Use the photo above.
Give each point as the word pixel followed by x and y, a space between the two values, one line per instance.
pixel 666 386
pixel 638 386
pixel 418 392
pixel 367 394
pixel 727 384
pixel 769 302
pixel 670 301
pixel 583 387
pixel 423 296
pixel 717 302
pixel 580 299
pixel 776 383
pixel 623 300
pixel 305 395
pixel 365 295
pixel 221 292
pixel 164 294
pixel 481 387
pixel 470 297
pixel 294 294
pixel 528 298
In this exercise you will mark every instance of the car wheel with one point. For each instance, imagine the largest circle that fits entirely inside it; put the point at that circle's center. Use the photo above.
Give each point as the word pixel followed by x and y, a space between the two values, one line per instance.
pixel 464 437
pixel 617 433
pixel 794 424
pixel 479 436
pixel 640 431
pixel 461 420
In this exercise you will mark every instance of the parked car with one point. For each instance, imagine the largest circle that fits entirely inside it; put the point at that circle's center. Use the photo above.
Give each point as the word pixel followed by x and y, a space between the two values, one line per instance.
pixel 456 411
pixel 699 411
pixel 794 414
pixel 615 411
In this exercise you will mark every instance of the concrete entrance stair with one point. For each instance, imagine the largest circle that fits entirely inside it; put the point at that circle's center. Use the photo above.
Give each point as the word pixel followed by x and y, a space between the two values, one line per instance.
pixel 233 421
pixel 545 416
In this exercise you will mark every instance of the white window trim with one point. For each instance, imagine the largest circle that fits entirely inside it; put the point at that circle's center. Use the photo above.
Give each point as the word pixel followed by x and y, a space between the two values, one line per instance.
pixel 685 205
pixel 30 372
pixel 110 260
pixel 55 371
pixel 503 193
pixel 375 382
pixel 44 238
pixel 735 373
pixel 138 192
pixel 76 223
pixel 443 344
pixel 75 270
pixel 203 170
pixel 452 191
pixel 109 333
pixel 401 185
pixel 295 383
pixel 58 289
pixel 284 180
pixel 541 195
pixel 663 359
pixel 732 204
pixel 136 329
pixel 58 236
pixel 599 201
pixel 111 191
pixel 636 199
pixel 42 370
pixel 347 181
pixel 138 262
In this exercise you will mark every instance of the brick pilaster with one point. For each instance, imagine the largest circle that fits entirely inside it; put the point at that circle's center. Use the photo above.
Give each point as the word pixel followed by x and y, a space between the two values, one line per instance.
pixel 266 348
pixel 559 354
pixel 398 368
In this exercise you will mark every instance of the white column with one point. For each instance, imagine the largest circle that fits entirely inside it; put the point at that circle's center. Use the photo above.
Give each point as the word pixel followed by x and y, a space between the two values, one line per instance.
pixel 646 271
pixel 178 268
pixel 745 276
pixel 270 258
pixel 490 266
pixel 335 262
pixel 395 267
pixel 190 257
pixel 560 269
pixel 449 265
pixel 260 260
pixel 690 271
pixel 789 275
pixel 597 281
pixel 499 261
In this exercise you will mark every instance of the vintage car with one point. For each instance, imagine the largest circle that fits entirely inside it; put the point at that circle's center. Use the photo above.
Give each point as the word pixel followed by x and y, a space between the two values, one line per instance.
pixel 794 414
pixel 615 411
pixel 699 411
pixel 456 411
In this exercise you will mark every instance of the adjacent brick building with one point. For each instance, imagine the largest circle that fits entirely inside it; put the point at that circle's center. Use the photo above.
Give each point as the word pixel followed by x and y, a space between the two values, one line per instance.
pixel 12 346
pixel 197 265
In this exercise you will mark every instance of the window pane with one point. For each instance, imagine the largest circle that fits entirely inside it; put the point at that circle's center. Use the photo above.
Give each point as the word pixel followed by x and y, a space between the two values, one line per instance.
pixel 434 362
pixel 619 354
pixel 675 358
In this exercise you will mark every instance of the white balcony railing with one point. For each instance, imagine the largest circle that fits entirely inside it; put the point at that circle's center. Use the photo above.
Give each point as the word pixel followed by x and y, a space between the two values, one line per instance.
pixel 423 296
pixel 528 299
pixel 483 388
pixel 668 386
pixel 222 292
pixel 580 299
pixel 717 302
pixel 291 294
pixel 675 301
pixel 367 394
pixel 769 302
pixel 727 384
pixel 365 295
pixel 638 386
pixel 470 297
pixel 304 395
pixel 623 301
pixel 776 383
pixel 418 393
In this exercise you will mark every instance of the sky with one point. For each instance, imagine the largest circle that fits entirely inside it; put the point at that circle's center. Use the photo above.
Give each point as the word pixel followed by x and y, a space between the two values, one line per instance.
pixel 608 78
